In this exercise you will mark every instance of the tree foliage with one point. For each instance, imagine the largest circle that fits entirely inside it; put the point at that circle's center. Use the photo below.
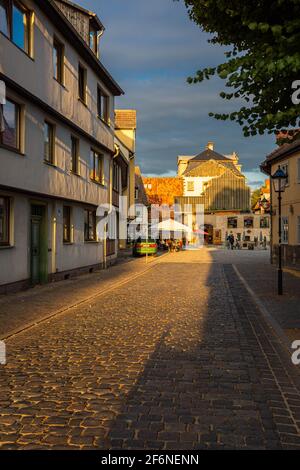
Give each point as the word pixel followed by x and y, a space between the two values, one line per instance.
pixel 255 196
pixel 262 62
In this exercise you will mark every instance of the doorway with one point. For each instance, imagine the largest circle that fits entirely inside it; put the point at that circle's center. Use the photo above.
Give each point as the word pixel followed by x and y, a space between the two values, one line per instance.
pixel 38 245
pixel 209 238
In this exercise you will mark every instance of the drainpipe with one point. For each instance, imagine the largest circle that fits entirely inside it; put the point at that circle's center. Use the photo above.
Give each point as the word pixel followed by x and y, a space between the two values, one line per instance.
pixel 99 35
pixel 116 154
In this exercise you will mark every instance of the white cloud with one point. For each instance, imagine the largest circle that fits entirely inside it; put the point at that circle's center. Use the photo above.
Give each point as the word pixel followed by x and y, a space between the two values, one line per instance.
pixel 150 48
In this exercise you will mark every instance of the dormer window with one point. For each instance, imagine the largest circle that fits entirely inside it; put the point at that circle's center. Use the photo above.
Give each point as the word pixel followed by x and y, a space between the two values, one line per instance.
pixel 94 38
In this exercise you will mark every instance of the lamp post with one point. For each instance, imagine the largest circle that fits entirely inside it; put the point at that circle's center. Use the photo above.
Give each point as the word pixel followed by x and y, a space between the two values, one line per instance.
pixel 279 182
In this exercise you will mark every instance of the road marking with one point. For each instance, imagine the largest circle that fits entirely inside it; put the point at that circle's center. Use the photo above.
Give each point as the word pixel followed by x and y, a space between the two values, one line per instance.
pixel 265 313
pixel 30 326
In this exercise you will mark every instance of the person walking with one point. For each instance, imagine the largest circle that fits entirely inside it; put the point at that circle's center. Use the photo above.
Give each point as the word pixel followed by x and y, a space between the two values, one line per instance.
pixel 231 241
pixel 228 242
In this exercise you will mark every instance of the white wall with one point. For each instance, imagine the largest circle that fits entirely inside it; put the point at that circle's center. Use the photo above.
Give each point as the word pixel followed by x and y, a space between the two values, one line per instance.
pixel 29 172
pixel 14 264
pixel 79 253
pixel 198 185
pixel 15 260
pixel 36 76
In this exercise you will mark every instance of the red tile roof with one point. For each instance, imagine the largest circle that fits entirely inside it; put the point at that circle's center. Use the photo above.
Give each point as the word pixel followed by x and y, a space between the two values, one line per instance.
pixel 162 190
pixel 125 119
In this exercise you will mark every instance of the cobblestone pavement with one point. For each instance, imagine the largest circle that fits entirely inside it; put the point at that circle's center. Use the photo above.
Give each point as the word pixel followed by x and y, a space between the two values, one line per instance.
pixel 179 358
pixel 33 305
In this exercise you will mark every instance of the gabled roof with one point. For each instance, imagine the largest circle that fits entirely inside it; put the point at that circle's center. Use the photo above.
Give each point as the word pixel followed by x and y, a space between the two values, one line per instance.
pixel 209 154
pixel 125 119
pixel 231 166
pixel 280 153
pixel 50 8
pixel 89 13
pixel 162 190
pixel 200 168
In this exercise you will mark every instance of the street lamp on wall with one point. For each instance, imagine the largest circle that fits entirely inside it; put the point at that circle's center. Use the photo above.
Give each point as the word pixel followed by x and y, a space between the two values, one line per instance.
pixel 279 180
pixel 279 183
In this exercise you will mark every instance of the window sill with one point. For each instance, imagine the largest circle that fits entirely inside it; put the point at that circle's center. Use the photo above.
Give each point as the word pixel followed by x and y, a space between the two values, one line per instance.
pixel 12 149
pixel 106 123
pixel 60 83
pixel 18 47
pixel 82 102
pixel 6 247
pixel 98 183
pixel 68 243
pixel 75 173
pixel 50 164
pixel 92 241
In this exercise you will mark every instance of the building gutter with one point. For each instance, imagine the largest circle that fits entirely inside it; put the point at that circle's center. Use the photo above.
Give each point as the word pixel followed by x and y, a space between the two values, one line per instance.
pixel 278 155
pixel 11 84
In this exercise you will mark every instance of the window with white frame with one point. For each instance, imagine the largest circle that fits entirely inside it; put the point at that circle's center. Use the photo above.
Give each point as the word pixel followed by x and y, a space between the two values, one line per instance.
pixel 116 176
pixel 103 105
pixel 285 168
pixel 264 222
pixel 58 55
pixel 285 229
pixel 97 167
pixel 67 224
pixel 10 125
pixel 82 83
pixel 190 186
pixel 49 142
pixel 90 225
pixel 75 155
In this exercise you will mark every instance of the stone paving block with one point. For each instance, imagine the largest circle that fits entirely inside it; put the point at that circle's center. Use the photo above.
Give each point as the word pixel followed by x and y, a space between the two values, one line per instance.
pixel 192 367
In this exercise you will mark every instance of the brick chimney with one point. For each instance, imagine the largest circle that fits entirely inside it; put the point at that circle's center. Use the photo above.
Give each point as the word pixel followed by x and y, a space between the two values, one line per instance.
pixel 210 146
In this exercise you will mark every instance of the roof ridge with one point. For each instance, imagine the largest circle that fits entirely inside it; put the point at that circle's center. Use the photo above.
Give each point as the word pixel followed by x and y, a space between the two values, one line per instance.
pixel 210 152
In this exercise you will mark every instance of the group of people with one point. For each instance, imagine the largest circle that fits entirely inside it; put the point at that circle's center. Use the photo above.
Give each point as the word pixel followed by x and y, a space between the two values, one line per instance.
pixel 171 245
pixel 232 243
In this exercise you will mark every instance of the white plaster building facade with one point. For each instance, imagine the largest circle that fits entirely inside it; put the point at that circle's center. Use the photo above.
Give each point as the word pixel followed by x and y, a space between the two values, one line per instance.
pixel 56 141
pixel 125 140
pixel 216 183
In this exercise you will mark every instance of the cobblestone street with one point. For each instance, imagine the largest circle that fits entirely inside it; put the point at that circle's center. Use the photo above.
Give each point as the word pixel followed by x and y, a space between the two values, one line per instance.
pixel 179 357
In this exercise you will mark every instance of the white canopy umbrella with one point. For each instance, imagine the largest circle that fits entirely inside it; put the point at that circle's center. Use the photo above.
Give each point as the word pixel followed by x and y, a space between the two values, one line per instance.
pixel 171 225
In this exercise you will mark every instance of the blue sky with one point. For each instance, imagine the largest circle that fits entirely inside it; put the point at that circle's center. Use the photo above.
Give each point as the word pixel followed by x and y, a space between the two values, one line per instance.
pixel 151 48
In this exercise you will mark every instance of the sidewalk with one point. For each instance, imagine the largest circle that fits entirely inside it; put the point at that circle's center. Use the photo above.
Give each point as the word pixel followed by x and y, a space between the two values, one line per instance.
pixel 18 311
pixel 285 309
